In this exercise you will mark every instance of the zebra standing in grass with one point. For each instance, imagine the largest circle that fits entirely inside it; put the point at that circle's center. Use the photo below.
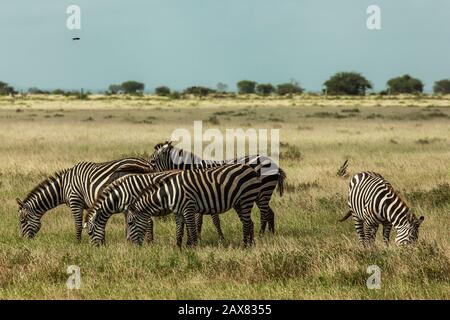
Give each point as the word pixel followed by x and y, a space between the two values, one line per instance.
pixel 116 197
pixel 167 157
pixel 373 201
pixel 191 192
pixel 76 187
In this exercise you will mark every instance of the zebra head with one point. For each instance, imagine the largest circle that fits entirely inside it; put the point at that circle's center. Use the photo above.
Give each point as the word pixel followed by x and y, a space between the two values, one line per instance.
pixel 96 234
pixel 30 222
pixel 408 233
pixel 159 158
pixel 137 226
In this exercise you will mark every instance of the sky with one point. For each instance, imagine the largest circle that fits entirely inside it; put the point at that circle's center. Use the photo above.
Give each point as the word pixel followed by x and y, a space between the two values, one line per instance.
pixel 180 43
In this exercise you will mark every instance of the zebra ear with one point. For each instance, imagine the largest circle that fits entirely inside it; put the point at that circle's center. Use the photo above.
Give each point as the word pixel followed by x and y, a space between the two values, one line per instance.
pixel 19 202
pixel 421 219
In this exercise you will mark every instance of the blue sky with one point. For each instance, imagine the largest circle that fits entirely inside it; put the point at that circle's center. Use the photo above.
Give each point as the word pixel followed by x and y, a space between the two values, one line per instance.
pixel 201 42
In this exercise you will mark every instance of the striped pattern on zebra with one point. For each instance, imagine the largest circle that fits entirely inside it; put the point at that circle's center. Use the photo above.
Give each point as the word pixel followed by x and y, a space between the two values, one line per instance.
pixel 76 187
pixel 191 192
pixel 373 201
pixel 116 197
pixel 167 157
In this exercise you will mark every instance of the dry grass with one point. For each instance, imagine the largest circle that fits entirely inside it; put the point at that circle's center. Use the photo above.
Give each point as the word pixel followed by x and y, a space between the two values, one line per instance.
pixel 311 256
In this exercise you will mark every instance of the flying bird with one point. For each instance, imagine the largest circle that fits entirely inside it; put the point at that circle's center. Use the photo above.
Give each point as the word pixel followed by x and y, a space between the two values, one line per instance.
pixel 76 38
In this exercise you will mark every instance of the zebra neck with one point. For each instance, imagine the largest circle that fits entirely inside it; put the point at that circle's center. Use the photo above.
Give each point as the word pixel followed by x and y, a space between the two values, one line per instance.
pixel 49 195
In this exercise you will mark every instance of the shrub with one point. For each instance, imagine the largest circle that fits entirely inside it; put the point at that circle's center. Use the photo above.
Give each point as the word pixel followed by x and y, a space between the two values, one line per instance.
pixel 198 91
pixel 162 91
pixel 405 84
pixel 442 86
pixel 132 87
pixel 246 87
pixel 6 89
pixel 289 88
pixel 265 89
pixel 347 83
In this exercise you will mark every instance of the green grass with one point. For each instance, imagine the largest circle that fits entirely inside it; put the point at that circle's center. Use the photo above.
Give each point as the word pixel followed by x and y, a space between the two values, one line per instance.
pixel 311 256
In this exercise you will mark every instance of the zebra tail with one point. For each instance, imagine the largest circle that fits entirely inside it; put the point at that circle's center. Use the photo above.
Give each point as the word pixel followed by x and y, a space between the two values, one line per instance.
pixel 281 181
pixel 346 216
pixel 342 172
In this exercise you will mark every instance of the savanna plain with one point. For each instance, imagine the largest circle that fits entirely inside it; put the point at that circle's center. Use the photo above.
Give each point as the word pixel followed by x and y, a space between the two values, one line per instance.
pixel 311 255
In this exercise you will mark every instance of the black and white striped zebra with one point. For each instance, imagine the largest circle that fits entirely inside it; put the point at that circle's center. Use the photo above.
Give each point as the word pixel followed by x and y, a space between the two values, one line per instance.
pixel 372 202
pixel 116 197
pixel 167 157
pixel 192 192
pixel 76 187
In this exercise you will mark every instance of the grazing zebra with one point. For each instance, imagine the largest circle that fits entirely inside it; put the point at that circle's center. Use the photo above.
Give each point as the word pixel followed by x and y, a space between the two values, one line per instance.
pixel 76 187
pixel 372 201
pixel 116 197
pixel 191 192
pixel 167 157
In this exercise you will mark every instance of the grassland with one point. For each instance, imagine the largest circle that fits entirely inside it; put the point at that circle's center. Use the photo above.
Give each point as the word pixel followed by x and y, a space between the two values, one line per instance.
pixel 406 139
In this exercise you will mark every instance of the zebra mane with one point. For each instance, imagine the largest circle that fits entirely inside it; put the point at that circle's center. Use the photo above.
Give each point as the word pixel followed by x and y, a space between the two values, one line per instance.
pixel 45 183
pixel 103 194
pixel 399 197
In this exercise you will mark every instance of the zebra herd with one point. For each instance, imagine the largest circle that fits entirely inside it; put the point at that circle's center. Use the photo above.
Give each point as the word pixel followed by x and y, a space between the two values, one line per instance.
pixel 176 181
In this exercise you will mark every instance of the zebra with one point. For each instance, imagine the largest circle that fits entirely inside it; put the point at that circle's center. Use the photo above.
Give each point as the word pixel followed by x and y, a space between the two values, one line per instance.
pixel 191 192
pixel 373 201
pixel 167 157
pixel 116 197
pixel 77 187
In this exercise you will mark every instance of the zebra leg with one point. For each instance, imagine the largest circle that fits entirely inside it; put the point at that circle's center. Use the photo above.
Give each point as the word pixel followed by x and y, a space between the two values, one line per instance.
pixel 386 232
pixel 359 227
pixel 370 232
pixel 265 211
pixel 247 224
pixel 216 220
pixel 189 218
pixel 149 231
pixel 180 229
pixel 125 215
pixel 199 223
pixel 77 211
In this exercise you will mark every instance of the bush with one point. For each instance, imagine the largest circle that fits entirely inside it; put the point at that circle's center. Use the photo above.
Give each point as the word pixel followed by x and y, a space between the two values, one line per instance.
pixel 289 88
pixel 442 86
pixel 162 91
pixel 265 89
pixel 132 87
pixel 246 87
pixel 6 89
pixel 58 91
pixel 347 83
pixel 405 84
pixel 198 91
pixel 34 90
pixel 114 88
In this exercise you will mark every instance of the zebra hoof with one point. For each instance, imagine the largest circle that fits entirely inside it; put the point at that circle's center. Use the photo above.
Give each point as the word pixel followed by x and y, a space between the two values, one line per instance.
pixel 85 225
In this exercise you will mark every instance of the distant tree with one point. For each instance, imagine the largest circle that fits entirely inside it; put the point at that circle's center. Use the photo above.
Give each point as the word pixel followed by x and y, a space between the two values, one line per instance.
pixel 222 87
pixel 132 87
pixel 35 90
pixel 442 86
pixel 6 89
pixel 405 84
pixel 58 91
pixel 162 91
pixel 347 83
pixel 265 89
pixel 198 91
pixel 246 87
pixel 289 88
pixel 115 88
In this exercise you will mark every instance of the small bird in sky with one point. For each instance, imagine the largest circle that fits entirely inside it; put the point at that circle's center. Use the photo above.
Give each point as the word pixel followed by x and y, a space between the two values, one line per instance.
pixel 76 38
